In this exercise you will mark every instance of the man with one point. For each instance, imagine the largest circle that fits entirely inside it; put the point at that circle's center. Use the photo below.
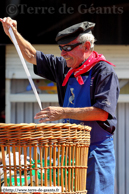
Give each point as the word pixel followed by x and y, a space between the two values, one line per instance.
pixel 88 91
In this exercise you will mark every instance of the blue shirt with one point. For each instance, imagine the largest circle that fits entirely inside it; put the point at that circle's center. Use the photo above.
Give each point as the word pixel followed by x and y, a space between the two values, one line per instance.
pixel 104 86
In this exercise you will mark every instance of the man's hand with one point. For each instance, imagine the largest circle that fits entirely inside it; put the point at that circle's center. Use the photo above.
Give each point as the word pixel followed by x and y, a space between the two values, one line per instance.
pixel 51 113
pixel 7 23
pixel 28 51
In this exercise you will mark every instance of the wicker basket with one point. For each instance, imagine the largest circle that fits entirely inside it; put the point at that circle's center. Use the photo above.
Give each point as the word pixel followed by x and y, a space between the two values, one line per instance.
pixel 52 155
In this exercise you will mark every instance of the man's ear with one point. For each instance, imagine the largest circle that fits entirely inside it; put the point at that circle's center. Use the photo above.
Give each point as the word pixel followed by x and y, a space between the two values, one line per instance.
pixel 87 46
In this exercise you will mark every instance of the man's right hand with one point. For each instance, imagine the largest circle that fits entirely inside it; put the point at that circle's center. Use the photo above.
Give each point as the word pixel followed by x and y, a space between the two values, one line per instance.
pixel 7 23
pixel 28 51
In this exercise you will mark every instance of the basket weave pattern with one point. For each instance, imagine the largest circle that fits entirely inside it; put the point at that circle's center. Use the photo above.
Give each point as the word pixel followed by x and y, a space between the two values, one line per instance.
pixel 59 152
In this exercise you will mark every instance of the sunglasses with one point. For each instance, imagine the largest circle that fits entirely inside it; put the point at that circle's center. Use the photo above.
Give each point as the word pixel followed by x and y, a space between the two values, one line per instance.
pixel 69 47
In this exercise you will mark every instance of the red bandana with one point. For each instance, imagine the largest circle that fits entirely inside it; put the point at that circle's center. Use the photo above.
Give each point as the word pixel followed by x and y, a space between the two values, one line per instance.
pixel 93 59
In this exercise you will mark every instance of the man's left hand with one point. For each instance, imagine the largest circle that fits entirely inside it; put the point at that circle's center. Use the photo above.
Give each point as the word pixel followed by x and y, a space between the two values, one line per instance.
pixel 51 113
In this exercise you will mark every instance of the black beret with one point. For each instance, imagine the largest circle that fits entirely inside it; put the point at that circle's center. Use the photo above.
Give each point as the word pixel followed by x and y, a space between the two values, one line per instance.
pixel 69 34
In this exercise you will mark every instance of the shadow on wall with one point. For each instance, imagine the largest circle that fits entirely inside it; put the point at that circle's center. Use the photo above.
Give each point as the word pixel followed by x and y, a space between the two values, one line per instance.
pixel 2 84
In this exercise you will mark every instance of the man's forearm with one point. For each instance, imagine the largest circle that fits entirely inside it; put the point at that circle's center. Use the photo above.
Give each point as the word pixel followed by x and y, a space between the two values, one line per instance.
pixel 86 114
pixel 53 113
pixel 28 51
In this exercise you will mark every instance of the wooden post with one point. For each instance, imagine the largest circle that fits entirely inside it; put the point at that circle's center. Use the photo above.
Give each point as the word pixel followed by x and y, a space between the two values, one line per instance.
pixel 20 169
pixel 69 169
pixel 45 164
pixel 86 161
pixel 54 165
pixel 8 149
pixel 35 158
pixel 79 170
pixel 76 169
pixel 58 181
pixel 66 157
pixel 41 165
pixel 4 165
pixel 73 157
pixel 25 165
pixel 62 160
pixel 30 155
pixel 14 165
pixel 50 165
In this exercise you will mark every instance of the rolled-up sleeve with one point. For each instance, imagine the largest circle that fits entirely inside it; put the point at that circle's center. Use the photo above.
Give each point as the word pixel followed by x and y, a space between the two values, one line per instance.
pixel 52 68
pixel 48 65
pixel 106 92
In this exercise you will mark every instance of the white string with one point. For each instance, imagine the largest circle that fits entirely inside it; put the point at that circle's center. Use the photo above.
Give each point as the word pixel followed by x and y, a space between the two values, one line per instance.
pixel 25 66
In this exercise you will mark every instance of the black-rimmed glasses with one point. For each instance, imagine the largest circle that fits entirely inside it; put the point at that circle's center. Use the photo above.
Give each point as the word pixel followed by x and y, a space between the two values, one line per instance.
pixel 69 47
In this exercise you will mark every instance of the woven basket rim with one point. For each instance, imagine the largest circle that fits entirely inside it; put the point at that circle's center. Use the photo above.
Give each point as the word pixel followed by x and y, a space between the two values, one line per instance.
pixel 45 125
